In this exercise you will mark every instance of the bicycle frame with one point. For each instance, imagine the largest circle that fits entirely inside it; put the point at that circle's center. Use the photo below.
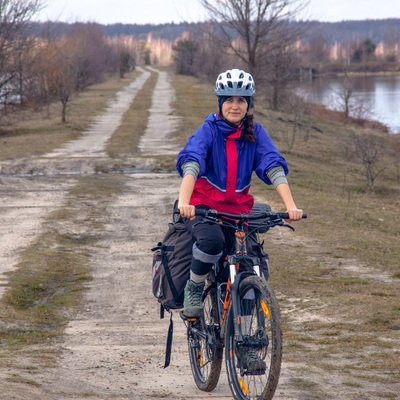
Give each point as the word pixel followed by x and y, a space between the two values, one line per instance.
pixel 234 261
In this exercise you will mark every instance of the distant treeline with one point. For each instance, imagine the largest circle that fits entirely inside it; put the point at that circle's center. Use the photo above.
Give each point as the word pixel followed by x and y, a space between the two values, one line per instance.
pixel 334 32
pixel 377 30
pixel 170 32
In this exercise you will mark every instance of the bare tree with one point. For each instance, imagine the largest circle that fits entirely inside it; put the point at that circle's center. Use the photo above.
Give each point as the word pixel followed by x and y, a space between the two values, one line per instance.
pixel 392 40
pixel 15 41
pixel 348 103
pixel 71 64
pixel 278 72
pixel 123 54
pixel 184 52
pixel 369 151
pixel 317 50
pixel 298 123
pixel 87 50
pixel 253 23
pixel 345 94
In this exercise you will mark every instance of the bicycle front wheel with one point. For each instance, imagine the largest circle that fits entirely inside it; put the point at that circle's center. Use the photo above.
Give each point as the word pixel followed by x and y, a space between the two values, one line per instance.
pixel 205 346
pixel 253 364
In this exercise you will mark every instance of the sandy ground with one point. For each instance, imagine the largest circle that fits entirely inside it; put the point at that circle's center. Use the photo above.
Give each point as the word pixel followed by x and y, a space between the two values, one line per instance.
pixel 114 349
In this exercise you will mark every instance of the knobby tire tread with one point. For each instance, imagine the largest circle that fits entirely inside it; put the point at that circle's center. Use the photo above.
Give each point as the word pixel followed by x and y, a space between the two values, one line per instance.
pixel 209 381
pixel 269 381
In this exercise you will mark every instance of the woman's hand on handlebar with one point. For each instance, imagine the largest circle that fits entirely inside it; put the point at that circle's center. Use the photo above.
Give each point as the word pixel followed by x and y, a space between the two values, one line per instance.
pixel 295 214
pixel 186 210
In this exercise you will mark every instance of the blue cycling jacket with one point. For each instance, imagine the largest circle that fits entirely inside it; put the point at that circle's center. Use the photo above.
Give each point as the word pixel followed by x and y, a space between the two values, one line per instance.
pixel 207 147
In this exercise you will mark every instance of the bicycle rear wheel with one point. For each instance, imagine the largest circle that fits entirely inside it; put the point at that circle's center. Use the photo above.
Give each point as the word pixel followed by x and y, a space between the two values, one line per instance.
pixel 253 365
pixel 205 346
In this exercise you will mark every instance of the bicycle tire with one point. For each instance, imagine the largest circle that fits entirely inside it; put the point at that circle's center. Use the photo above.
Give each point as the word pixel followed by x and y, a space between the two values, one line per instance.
pixel 265 337
pixel 205 346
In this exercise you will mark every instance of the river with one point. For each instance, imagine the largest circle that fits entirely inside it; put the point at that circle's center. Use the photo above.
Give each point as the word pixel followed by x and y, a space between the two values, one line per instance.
pixel 379 96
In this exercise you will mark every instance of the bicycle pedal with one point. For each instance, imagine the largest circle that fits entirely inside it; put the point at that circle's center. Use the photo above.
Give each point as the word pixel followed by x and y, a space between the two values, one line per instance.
pixel 186 318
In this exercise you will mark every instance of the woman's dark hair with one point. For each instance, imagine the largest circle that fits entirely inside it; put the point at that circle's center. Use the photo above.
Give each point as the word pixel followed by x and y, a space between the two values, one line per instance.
pixel 248 124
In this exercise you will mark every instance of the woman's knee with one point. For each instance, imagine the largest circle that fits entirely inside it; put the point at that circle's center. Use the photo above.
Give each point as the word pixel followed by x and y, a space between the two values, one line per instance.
pixel 210 245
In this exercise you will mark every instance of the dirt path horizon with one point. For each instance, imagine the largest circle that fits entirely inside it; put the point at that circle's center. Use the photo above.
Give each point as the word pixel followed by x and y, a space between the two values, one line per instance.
pixel 114 348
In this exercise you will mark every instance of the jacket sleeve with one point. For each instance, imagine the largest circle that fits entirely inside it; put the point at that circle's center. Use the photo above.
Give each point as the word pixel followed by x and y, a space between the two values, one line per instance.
pixel 196 148
pixel 267 155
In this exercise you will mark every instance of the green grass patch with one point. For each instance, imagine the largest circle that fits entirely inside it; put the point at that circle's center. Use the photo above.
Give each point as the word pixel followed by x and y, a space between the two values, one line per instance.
pixel 126 138
pixel 15 378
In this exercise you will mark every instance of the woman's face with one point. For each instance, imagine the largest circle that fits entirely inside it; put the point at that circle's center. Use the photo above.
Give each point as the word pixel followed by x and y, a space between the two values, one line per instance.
pixel 234 109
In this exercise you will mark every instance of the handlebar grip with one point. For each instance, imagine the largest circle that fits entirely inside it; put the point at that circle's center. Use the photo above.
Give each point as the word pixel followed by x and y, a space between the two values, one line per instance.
pixel 198 212
pixel 283 215
pixel 202 213
pixel 286 215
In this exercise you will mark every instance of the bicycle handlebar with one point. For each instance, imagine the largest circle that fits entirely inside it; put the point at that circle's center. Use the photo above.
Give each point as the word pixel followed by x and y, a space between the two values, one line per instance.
pixel 273 217
pixel 243 217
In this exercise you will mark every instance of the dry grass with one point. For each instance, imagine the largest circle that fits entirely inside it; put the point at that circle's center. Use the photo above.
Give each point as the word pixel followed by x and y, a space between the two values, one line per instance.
pixel 194 101
pixel 125 140
pixel 337 277
pixel 36 133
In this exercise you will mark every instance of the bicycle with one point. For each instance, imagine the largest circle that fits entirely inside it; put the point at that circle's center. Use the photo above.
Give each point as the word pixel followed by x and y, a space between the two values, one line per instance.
pixel 241 314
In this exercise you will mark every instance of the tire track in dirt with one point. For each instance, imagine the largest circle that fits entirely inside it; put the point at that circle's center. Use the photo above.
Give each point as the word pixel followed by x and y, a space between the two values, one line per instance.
pixel 93 141
pixel 27 199
pixel 156 139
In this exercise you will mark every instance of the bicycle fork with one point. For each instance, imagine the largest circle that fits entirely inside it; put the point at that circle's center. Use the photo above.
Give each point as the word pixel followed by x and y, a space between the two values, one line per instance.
pixel 232 296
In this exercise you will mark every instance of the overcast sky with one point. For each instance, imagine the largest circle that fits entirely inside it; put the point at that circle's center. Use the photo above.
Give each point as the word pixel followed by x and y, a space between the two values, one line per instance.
pixel 165 11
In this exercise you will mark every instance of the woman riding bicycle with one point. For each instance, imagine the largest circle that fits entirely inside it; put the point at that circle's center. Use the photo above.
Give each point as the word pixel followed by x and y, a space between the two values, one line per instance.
pixel 216 164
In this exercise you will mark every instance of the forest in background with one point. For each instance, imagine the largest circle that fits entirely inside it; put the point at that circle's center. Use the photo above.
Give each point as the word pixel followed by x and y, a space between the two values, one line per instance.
pixel 342 32
pixel 49 62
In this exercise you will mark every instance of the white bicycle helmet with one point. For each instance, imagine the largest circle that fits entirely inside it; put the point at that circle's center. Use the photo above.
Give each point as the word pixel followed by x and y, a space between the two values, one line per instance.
pixel 235 82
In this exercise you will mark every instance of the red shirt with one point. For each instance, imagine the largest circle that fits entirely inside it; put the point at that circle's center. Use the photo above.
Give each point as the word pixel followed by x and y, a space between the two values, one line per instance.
pixel 228 200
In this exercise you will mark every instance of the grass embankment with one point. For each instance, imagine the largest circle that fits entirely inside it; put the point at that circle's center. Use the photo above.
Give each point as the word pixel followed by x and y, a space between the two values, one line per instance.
pixel 337 276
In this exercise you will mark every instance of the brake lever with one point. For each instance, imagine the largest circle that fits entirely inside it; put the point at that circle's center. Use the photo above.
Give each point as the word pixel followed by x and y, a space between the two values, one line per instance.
pixel 281 222
pixel 206 218
pixel 288 226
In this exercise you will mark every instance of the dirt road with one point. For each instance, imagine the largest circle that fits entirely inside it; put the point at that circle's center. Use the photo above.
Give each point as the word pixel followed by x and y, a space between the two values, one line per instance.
pixel 114 348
